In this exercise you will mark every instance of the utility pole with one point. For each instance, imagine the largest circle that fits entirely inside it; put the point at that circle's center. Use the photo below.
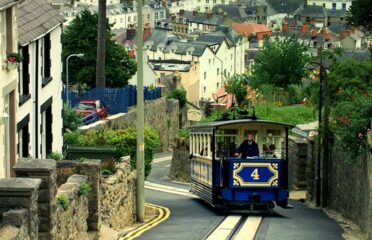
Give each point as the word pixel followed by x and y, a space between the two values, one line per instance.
pixel 140 118
pixel 101 45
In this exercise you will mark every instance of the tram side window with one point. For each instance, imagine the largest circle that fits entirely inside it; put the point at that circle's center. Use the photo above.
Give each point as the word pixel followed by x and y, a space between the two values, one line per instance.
pixel 273 144
pixel 226 142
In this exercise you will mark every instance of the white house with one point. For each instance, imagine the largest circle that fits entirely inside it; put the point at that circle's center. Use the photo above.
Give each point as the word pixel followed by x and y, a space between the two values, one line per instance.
pixel 331 4
pixel 8 87
pixel 204 5
pixel 202 65
pixel 39 119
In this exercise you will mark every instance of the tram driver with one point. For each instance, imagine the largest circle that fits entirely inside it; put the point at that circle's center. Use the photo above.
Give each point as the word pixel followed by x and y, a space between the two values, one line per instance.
pixel 248 148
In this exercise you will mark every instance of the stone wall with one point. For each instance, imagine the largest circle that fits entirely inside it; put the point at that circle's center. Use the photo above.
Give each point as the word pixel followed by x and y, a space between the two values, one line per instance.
pixel 90 168
pixel 346 186
pixel 118 196
pixel 70 223
pixel 18 208
pixel 180 165
pixel 161 114
pixel 297 161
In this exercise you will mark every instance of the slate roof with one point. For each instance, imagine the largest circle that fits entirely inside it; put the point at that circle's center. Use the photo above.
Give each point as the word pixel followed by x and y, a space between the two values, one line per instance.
pixel 7 3
pixel 36 18
pixel 312 11
pixel 336 28
pixel 357 54
pixel 235 12
pixel 182 48
pixel 203 18
pixel 336 13
pixel 283 6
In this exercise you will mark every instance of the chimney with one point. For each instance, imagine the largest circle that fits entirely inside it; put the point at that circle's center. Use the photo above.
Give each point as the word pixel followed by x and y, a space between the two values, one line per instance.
pixel 131 33
pixel 194 13
pixel 209 15
pixel 347 33
pixel 314 33
pixel 285 26
pixel 305 28
pixel 182 12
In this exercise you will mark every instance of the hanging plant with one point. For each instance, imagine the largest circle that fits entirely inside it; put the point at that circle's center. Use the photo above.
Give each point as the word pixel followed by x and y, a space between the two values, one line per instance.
pixel 14 58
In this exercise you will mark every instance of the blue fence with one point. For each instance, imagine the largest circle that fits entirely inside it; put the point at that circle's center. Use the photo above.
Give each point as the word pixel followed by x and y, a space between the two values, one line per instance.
pixel 118 100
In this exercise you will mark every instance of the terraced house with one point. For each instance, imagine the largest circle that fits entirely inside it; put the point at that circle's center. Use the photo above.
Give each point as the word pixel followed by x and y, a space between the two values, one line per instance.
pixel 8 85
pixel 39 117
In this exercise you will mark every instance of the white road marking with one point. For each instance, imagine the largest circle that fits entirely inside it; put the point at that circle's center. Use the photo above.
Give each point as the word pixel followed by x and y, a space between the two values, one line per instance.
pixel 249 229
pixel 223 231
pixel 168 189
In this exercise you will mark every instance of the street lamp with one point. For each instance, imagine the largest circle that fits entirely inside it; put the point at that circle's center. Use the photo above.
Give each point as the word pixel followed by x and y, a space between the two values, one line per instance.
pixel 322 78
pixel 79 55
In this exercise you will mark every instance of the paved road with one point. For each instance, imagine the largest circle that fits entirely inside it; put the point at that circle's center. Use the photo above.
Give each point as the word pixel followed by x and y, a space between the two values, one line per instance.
pixel 192 219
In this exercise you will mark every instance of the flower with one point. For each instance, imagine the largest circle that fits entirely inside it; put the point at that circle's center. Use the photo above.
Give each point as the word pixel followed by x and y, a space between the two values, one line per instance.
pixel 14 58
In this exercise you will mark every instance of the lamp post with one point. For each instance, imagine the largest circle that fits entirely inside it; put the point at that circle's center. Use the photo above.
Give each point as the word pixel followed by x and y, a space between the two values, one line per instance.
pixel 322 82
pixel 79 55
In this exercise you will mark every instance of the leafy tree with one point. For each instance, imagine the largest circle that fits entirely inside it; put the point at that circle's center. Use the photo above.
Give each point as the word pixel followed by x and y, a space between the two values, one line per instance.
pixel 281 63
pixel 81 37
pixel 237 85
pixel 360 14
pixel 180 95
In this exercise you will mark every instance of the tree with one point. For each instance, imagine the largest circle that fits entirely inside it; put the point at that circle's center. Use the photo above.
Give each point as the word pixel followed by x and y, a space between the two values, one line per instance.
pixel 360 14
pixel 180 95
pixel 281 63
pixel 237 85
pixel 101 44
pixel 81 37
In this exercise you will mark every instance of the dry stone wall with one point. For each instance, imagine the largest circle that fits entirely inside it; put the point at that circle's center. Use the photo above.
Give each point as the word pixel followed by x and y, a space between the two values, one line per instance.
pixel 117 196
pixel 71 221
pixel 161 114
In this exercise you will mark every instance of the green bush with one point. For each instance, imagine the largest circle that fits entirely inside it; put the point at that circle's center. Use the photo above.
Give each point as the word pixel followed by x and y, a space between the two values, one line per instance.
pixel 84 188
pixel 295 94
pixel 180 95
pixel 184 133
pixel 71 119
pixel 124 140
pixel 108 168
pixel 63 201
pixel 56 156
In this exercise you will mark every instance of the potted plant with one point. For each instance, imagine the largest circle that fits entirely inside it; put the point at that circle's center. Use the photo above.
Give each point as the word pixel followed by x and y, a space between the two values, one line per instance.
pixel 12 60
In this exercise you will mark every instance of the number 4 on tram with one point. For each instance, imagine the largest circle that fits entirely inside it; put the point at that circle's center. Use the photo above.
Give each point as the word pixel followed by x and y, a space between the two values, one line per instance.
pixel 227 181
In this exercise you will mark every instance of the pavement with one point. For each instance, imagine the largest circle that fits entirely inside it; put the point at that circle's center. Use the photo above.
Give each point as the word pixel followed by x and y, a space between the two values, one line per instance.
pixel 191 218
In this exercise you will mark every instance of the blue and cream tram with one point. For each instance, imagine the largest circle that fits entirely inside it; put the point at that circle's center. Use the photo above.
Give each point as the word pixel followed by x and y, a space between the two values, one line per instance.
pixel 227 181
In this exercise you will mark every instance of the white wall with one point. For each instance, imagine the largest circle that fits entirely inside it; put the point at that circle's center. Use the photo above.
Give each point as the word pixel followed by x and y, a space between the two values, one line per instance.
pixel 149 76
pixel 329 3
pixel 204 5
pixel 52 89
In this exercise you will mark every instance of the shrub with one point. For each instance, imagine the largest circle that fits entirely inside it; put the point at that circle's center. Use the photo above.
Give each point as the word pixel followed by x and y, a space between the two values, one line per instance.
pixel 184 133
pixel 71 119
pixel 108 168
pixel 124 140
pixel 180 95
pixel 56 156
pixel 63 201
pixel 84 188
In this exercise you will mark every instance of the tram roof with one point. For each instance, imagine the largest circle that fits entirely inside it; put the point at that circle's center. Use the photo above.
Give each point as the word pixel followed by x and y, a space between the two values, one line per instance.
pixel 240 121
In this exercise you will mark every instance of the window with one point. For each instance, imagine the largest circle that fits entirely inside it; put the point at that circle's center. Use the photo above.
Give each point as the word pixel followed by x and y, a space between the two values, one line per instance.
pixel 205 89
pixel 129 19
pixel 333 6
pixel 324 5
pixel 218 86
pixel 23 140
pixel 3 44
pixel 231 56
pixel 205 75
pixel 161 14
pixel 214 1
pixel 343 6
pixel 24 76
pixel 156 15
pixel 218 71
pixel 209 61
pixel 214 60
pixel 46 59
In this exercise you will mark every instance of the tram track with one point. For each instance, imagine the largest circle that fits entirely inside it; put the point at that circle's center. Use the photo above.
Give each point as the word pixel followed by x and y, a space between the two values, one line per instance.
pixel 235 227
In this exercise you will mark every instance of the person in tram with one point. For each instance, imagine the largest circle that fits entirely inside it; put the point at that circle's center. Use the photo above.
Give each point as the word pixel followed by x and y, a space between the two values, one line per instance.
pixel 248 148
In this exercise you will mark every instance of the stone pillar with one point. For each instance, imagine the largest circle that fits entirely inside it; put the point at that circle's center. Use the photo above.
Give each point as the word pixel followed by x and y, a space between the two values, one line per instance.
pixel 297 163
pixel 20 193
pixel 92 169
pixel 45 169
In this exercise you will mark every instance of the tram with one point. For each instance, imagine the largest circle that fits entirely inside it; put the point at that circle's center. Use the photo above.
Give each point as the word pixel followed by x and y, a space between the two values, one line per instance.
pixel 230 182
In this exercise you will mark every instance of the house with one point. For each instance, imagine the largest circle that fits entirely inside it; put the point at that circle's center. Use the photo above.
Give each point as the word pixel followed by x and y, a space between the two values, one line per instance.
pixel 205 5
pixel 331 4
pixel 249 30
pixel 39 117
pixel 200 65
pixel 352 39
pixel 8 87
pixel 319 16
pixel 127 38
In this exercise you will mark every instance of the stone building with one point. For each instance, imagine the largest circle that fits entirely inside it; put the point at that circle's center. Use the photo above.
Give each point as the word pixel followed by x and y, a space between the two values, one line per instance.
pixel 39 117
pixel 8 86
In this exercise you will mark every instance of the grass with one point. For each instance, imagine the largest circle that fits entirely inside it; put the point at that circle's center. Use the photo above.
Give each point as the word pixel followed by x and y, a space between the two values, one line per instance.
pixel 295 114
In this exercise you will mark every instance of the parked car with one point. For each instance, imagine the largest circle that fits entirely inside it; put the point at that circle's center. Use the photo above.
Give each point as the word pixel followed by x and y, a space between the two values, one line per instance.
pixel 88 106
